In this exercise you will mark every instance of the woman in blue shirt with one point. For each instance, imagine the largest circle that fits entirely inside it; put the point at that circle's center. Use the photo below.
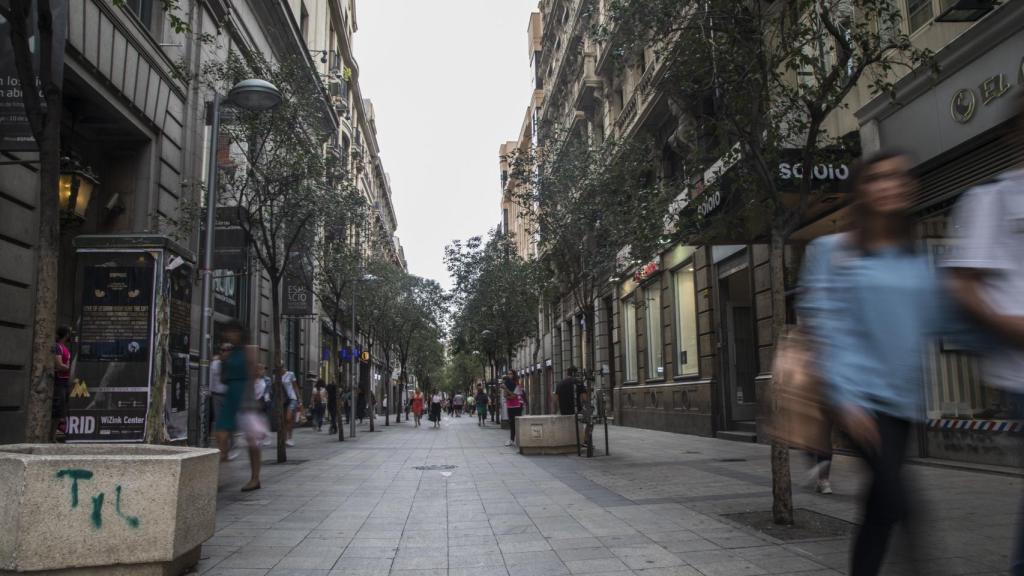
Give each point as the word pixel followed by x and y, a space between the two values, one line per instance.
pixel 870 302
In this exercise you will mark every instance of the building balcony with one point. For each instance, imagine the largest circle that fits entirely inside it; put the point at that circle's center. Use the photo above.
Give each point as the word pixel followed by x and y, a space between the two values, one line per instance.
pixel 637 104
pixel 588 85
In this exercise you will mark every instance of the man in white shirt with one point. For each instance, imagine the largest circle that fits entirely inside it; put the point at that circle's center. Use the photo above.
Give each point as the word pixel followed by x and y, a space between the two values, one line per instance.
pixel 988 278
pixel 288 383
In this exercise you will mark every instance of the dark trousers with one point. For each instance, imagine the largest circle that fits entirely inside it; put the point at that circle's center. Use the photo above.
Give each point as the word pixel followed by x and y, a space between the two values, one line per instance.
pixel 887 501
pixel 512 413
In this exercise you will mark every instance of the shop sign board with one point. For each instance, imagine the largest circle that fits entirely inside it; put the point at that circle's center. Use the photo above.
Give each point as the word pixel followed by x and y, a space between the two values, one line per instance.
pixel 298 296
pixel 112 376
pixel 15 132
pixel 962 104
pixel 647 270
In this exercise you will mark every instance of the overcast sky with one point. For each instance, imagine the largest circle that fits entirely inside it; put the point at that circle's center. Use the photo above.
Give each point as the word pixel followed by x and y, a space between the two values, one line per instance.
pixel 450 82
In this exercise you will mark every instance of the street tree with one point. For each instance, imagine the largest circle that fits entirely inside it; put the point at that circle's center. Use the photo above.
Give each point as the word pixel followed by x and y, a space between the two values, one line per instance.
pixel 277 177
pixel 334 262
pixel 427 360
pixel 419 318
pixel 43 109
pixel 753 84
pixel 376 312
pixel 590 202
pixel 495 297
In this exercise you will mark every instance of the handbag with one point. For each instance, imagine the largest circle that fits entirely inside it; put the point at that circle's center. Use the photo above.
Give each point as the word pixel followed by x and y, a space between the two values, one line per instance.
pixel 799 416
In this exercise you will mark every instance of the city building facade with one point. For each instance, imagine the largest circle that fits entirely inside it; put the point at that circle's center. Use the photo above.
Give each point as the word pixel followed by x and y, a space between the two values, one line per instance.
pixel 136 131
pixel 683 341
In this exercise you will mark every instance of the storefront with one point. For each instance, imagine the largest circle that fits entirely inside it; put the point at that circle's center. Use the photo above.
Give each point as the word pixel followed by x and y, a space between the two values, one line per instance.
pixel 664 356
pixel 955 125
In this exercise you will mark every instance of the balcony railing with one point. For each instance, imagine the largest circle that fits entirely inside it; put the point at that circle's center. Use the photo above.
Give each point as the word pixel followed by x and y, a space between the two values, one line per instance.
pixel 640 97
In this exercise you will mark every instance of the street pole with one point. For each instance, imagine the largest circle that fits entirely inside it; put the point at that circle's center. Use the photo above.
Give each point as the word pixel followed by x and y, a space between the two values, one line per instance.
pixel 206 318
pixel 352 369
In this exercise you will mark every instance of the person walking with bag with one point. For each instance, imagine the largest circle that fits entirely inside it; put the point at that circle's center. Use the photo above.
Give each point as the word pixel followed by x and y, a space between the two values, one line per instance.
pixel 870 300
pixel 240 411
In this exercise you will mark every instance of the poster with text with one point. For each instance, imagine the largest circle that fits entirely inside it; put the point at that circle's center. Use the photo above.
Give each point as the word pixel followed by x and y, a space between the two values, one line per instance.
pixel 110 393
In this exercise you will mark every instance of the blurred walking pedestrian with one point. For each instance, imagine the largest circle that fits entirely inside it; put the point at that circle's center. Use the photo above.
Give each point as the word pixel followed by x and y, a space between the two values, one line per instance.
pixel 291 401
pixel 217 387
pixel 435 408
pixel 318 400
pixel 240 410
pixel 481 402
pixel 988 279
pixel 513 403
pixel 870 300
pixel 417 406
pixel 459 401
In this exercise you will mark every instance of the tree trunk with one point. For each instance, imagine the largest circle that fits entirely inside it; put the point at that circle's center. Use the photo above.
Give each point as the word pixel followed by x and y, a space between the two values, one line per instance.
pixel 336 360
pixel 38 426
pixel 46 130
pixel 278 369
pixel 782 489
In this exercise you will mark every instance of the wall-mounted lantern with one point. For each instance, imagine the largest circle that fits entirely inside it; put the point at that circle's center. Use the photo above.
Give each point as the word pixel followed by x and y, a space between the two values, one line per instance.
pixel 77 184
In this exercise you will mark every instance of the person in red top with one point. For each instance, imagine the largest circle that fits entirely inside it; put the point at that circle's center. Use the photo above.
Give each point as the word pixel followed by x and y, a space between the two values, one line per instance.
pixel 61 378
pixel 417 406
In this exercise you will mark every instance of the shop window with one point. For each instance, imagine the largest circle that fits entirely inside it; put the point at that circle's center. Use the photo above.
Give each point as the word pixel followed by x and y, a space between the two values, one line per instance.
pixel 655 351
pixel 686 321
pixel 629 340
pixel 919 13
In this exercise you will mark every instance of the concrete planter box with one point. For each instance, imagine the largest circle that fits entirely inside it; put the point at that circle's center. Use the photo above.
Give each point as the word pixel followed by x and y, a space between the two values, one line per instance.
pixel 110 509
pixel 546 434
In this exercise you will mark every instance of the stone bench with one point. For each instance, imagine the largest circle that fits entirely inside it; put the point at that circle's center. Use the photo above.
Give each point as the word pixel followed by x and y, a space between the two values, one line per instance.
pixel 111 509
pixel 546 434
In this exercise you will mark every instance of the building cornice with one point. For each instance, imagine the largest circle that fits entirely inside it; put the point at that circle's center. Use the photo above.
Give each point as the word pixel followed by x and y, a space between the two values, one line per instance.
pixel 999 25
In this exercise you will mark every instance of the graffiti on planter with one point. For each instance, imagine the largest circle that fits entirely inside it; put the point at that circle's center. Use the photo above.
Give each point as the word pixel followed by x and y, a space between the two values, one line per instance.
pixel 75 475
pixel 96 516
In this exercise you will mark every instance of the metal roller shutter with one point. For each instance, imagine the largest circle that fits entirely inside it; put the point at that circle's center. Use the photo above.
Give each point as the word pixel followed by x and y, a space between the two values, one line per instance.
pixel 944 178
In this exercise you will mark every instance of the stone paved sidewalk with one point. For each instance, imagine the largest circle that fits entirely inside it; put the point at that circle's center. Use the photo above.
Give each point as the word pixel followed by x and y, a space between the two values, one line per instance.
pixel 652 508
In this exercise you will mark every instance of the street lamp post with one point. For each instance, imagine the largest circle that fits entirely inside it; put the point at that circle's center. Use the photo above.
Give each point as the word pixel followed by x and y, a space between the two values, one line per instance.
pixel 256 96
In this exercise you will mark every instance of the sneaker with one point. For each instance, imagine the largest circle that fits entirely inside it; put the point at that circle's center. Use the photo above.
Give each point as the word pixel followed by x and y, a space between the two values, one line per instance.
pixel 824 486
pixel 509 443
pixel 813 475
pixel 290 443
pixel 233 454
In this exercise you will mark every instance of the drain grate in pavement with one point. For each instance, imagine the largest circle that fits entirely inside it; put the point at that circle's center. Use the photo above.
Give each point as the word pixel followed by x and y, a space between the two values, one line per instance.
pixel 436 467
pixel 807 525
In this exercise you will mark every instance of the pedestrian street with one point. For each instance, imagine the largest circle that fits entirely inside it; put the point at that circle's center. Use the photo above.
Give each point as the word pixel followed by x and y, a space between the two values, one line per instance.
pixel 660 505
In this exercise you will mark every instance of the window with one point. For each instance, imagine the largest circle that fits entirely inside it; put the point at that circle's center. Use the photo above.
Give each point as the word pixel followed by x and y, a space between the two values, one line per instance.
pixel 629 340
pixel 143 10
pixel 919 13
pixel 655 351
pixel 304 21
pixel 686 321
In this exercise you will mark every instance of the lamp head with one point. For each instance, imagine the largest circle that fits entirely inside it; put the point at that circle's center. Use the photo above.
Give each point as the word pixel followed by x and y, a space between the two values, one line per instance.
pixel 255 95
